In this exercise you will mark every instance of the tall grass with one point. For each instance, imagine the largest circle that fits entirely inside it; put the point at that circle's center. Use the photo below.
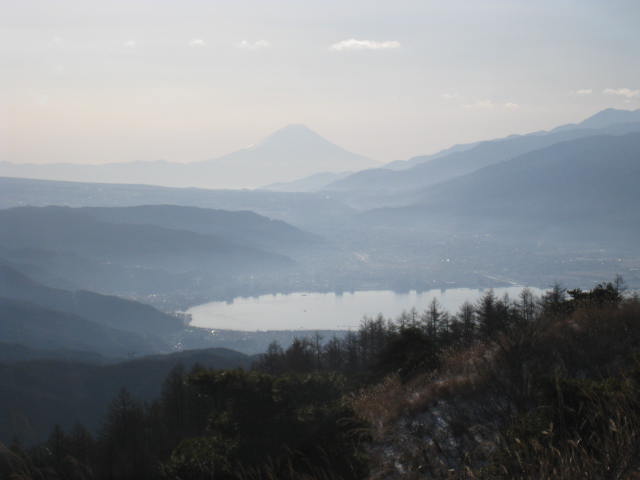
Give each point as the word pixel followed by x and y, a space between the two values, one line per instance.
pixel 555 397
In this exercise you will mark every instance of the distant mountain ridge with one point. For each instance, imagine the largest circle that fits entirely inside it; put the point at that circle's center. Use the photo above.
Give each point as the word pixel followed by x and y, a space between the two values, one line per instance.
pixel 604 118
pixel 300 209
pixel 78 231
pixel 242 228
pixel 601 119
pixel 312 183
pixel 366 186
pixel 583 189
pixel 131 252
pixel 298 150
pixel 290 153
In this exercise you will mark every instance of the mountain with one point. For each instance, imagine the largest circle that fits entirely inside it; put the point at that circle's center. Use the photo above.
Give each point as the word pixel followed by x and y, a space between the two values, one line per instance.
pixel 109 311
pixel 15 353
pixel 42 328
pixel 367 187
pixel 405 164
pixel 238 227
pixel 306 210
pixel 38 394
pixel 290 153
pixel 72 248
pixel 77 231
pixel 602 119
pixel 580 190
pixel 605 118
pixel 312 183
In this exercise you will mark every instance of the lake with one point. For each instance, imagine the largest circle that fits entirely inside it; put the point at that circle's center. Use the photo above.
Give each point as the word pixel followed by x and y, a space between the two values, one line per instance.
pixel 327 311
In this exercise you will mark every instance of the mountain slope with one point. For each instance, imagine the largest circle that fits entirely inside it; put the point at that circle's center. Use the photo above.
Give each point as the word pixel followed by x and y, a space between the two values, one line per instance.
pixel 305 210
pixel 413 161
pixel 389 182
pixel 69 247
pixel 288 154
pixel 238 227
pixel 605 118
pixel 311 183
pixel 602 119
pixel 105 310
pixel 78 232
pixel 15 353
pixel 37 327
pixel 36 395
pixel 584 188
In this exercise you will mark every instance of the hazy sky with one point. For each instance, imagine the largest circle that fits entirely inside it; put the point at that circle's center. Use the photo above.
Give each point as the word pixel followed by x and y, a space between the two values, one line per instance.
pixel 89 81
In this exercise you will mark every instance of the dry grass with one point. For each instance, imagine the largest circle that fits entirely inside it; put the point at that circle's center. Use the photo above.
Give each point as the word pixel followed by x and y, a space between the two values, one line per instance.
pixel 606 446
pixel 451 424
pixel 462 372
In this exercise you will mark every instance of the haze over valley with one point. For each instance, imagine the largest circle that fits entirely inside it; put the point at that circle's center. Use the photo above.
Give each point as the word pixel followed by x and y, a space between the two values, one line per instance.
pixel 460 219
pixel 286 155
pixel 319 240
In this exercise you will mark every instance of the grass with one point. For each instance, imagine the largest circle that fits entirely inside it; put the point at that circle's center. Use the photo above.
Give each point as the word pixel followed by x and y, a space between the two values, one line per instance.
pixel 558 397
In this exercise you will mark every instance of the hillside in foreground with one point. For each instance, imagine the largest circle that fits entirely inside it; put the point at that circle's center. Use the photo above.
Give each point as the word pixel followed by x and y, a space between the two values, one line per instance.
pixel 524 388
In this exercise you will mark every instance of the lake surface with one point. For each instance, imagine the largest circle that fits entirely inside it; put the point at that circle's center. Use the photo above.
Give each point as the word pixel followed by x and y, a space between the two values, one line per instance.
pixel 327 311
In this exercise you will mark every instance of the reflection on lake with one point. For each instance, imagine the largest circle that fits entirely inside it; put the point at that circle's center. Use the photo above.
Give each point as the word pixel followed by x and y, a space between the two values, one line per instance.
pixel 327 311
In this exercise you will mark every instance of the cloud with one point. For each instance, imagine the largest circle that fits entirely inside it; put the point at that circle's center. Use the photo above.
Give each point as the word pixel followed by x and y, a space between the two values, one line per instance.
pixel 197 42
pixel 490 104
pixel 130 44
pixel 622 92
pixel 583 91
pixel 257 45
pixel 480 105
pixel 353 44
pixel 451 96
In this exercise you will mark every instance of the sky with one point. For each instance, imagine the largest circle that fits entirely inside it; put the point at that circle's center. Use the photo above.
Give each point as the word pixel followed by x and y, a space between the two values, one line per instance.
pixel 88 81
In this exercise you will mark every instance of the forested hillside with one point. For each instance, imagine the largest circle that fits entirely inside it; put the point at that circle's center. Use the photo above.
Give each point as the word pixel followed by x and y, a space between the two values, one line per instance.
pixel 73 389
pixel 42 328
pixel 506 388
pixel 106 310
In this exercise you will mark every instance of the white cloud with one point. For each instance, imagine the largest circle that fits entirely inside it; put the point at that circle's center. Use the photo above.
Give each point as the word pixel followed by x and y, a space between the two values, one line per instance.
pixel 622 92
pixel 197 42
pixel 487 104
pixel 584 91
pixel 451 96
pixel 130 44
pixel 353 44
pixel 480 104
pixel 257 45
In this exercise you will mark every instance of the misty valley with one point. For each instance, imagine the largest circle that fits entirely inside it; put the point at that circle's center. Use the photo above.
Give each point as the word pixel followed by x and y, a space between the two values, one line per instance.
pixel 319 240
pixel 144 326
